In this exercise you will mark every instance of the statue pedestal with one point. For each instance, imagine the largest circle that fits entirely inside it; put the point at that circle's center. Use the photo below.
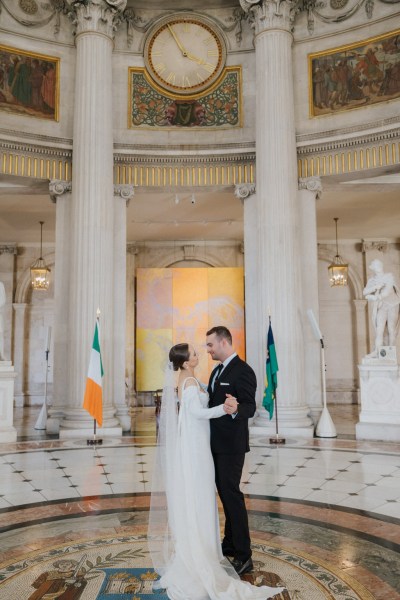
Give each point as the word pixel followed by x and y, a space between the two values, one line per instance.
pixel 8 433
pixel 380 400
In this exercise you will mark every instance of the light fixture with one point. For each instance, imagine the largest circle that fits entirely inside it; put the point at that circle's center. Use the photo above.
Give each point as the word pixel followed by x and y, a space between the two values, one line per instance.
pixel 337 269
pixel 39 270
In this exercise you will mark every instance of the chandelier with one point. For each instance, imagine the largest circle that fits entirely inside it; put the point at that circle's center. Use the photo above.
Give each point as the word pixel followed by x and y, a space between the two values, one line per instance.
pixel 39 270
pixel 338 270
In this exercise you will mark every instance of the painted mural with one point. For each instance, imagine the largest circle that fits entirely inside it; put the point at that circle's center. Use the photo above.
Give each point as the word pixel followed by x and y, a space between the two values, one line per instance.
pixel 179 305
pixel 220 107
pixel 356 75
pixel 29 83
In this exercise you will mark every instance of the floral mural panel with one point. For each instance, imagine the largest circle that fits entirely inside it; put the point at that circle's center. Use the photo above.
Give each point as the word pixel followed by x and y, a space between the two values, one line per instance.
pixel 219 107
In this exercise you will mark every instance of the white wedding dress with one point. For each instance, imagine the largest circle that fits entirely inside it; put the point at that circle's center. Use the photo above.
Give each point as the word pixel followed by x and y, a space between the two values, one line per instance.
pixel 196 569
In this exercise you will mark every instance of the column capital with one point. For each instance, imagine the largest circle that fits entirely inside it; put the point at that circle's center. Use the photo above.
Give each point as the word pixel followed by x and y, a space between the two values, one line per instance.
pixel 8 249
pixel 380 245
pixel 266 15
pixel 132 249
pixel 124 191
pixel 312 184
pixel 96 16
pixel 58 187
pixel 244 190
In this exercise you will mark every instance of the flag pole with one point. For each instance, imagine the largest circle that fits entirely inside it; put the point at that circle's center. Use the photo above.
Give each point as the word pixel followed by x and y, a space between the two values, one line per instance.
pixel 277 439
pixel 95 440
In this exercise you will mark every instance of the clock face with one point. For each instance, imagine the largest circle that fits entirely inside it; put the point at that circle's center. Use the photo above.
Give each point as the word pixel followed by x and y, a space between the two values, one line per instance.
pixel 184 54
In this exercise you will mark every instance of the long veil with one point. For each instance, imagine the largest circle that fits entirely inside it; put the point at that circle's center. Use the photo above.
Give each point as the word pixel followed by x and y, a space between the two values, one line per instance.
pixel 161 528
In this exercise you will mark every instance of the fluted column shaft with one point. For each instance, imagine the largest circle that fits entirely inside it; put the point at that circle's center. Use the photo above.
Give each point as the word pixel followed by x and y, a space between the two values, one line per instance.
pixel 92 211
pixel 18 357
pixel 60 194
pixel 255 337
pixel 276 165
pixel 122 195
pixel 309 192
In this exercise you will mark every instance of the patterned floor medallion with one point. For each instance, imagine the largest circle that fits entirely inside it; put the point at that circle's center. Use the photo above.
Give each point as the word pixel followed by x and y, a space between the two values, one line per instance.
pixel 118 568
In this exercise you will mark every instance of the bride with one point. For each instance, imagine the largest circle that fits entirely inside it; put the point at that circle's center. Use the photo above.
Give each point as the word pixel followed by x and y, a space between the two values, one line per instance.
pixel 184 534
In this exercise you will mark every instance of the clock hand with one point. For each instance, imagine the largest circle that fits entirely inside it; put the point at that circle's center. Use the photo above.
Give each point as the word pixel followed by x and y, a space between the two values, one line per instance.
pixel 200 61
pixel 181 48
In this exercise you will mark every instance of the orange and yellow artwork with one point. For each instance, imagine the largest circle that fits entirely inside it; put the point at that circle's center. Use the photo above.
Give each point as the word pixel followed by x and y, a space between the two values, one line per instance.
pixel 181 305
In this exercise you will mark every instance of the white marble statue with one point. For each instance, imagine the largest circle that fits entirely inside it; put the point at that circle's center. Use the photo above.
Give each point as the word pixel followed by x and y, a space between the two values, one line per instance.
pixel 382 290
pixel 2 305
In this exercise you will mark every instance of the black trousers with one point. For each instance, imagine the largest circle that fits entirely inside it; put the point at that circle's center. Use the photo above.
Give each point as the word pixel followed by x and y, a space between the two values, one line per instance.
pixel 228 472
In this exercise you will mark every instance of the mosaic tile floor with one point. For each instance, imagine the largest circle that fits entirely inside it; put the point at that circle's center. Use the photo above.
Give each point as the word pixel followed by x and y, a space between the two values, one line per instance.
pixel 324 515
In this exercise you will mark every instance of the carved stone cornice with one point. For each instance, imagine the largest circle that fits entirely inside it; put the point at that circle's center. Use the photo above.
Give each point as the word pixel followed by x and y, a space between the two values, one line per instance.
pixel 244 190
pixel 57 188
pixel 270 14
pixel 124 191
pixel 380 245
pixel 312 184
pixel 96 16
pixel 8 249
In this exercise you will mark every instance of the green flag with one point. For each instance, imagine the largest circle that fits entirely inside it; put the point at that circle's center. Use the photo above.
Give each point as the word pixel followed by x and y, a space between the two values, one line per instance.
pixel 271 374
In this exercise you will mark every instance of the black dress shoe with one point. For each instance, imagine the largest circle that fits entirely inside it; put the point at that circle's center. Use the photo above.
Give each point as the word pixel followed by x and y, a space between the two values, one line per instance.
pixel 242 567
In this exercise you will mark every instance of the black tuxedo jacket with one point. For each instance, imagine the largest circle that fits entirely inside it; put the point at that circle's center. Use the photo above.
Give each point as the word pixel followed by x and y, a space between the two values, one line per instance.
pixel 231 435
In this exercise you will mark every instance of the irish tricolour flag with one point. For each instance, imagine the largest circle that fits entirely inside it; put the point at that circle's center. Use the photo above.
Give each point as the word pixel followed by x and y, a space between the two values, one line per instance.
pixel 93 401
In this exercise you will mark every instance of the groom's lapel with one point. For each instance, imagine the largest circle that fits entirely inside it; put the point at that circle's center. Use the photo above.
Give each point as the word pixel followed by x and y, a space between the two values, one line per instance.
pixel 228 369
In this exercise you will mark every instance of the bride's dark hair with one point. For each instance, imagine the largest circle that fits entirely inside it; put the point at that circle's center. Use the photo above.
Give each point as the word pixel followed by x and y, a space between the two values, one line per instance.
pixel 178 355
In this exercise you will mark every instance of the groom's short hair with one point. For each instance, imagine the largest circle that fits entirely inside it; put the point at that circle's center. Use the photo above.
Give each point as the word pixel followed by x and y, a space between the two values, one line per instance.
pixel 221 332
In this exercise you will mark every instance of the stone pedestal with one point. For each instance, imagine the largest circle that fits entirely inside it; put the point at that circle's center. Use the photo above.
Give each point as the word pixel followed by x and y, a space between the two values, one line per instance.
pixel 8 433
pixel 380 400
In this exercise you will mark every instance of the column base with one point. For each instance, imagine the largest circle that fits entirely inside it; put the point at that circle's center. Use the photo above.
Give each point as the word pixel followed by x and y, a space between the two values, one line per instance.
pixel 87 433
pixel 378 431
pixel 124 417
pixel 77 423
pixel 292 422
pixel 8 433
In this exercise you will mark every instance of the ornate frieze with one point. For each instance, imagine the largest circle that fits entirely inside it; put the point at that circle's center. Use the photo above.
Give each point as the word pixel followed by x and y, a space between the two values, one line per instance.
pixel 270 14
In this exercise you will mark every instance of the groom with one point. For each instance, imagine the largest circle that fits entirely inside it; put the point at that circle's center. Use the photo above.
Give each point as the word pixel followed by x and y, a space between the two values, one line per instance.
pixel 234 384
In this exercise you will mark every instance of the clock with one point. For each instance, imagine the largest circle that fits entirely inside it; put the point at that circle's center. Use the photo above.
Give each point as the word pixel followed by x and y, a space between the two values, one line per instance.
pixel 184 54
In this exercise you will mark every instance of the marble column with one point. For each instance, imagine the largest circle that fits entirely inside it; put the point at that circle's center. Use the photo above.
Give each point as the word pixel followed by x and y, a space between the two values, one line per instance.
pixel 132 252
pixel 60 194
pixel 19 348
pixel 91 273
pixel 255 336
pixel 309 192
pixel 278 215
pixel 8 253
pixel 122 196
